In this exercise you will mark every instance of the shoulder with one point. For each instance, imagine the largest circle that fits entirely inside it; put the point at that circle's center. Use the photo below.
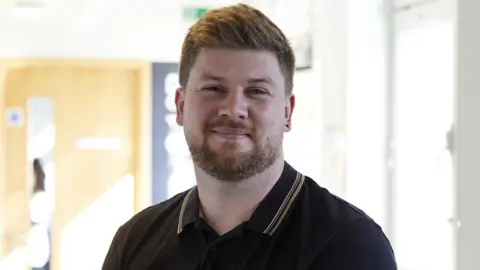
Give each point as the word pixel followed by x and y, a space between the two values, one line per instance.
pixel 158 216
pixel 160 211
pixel 129 237
pixel 361 244
pixel 340 232
pixel 328 209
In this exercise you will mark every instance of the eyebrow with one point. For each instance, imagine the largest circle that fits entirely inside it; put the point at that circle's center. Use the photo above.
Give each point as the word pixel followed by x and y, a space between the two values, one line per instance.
pixel 211 77
pixel 267 80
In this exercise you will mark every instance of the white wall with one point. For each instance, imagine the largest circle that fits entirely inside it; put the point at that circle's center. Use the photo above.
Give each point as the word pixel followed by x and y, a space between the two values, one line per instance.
pixel 147 30
pixel 468 134
pixel 366 111
pixel 150 30
pixel 331 28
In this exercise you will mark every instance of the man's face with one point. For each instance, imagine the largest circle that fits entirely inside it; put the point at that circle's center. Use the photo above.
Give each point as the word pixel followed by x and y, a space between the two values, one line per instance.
pixel 234 112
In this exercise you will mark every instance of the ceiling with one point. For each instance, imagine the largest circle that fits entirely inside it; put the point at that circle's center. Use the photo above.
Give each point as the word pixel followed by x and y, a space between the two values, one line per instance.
pixel 138 29
pixel 113 29
pixel 53 12
pixel 56 12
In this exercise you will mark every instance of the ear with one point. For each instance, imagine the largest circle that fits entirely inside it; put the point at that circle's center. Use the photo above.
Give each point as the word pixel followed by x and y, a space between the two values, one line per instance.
pixel 289 106
pixel 179 103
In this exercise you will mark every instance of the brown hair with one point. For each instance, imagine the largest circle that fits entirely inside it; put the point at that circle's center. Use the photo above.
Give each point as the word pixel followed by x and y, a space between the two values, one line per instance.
pixel 236 27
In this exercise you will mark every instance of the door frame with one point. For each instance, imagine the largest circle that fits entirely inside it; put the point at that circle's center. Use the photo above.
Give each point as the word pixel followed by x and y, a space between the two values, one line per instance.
pixel 143 128
pixel 403 17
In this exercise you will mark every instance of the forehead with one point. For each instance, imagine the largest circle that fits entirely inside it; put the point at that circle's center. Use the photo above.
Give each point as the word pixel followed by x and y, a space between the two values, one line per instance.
pixel 237 65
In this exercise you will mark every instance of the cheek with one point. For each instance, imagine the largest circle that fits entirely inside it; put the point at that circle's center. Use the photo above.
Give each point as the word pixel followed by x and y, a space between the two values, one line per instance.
pixel 198 112
pixel 268 119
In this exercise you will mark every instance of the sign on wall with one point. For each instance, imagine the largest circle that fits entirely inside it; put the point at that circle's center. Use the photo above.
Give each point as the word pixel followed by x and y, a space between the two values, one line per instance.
pixel 191 13
pixel 14 117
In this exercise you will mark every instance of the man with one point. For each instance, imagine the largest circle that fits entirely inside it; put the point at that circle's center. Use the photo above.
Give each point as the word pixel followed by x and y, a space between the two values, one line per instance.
pixel 250 209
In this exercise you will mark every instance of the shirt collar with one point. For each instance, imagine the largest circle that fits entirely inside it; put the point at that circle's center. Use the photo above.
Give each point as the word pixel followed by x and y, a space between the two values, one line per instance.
pixel 269 214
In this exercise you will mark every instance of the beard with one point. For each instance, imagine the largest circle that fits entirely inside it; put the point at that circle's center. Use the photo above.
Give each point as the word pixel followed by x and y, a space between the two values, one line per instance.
pixel 229 163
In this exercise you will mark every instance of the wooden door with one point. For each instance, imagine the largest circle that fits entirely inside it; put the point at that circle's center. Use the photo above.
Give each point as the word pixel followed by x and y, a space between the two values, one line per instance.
pixel 99 154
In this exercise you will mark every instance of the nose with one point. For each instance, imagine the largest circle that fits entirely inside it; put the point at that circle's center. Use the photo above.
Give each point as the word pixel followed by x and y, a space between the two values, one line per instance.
pixel 234 105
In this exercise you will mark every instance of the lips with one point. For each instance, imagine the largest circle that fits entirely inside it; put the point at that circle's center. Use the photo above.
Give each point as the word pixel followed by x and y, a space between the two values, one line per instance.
pixel 230 132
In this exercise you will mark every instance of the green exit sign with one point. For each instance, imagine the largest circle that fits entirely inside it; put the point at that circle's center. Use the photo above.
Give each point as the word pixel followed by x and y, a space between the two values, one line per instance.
pixel 193 13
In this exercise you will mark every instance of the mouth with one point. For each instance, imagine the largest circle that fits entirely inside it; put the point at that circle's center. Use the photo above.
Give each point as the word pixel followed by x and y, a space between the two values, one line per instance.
pixel 230 133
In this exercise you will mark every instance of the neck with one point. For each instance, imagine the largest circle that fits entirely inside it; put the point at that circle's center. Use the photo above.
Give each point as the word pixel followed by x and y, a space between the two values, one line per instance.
pixel 225 205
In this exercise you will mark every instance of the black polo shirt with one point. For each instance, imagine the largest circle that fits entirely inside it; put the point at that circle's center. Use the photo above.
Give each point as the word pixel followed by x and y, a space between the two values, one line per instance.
pixel 298 225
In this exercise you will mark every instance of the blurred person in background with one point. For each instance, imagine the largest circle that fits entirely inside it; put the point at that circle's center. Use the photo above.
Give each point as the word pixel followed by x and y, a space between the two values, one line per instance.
pixel 250 209
pixel 38 239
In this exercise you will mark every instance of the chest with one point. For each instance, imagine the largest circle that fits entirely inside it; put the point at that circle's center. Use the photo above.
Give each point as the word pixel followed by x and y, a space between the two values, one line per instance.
pixel 194 249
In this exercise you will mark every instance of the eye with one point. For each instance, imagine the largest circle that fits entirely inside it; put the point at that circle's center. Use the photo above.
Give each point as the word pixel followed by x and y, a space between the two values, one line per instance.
pixel 213 88
pixel 256 91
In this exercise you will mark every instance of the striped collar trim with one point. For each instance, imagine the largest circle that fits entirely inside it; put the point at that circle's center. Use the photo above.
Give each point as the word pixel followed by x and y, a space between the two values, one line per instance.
pixel 274 222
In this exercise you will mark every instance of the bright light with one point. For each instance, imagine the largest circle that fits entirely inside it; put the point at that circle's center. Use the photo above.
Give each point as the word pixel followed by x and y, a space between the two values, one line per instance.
pixel 28 9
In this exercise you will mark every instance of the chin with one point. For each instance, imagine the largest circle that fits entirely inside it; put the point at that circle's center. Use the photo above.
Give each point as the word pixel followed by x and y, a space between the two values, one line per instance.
pixel 231 153
pixel 232 162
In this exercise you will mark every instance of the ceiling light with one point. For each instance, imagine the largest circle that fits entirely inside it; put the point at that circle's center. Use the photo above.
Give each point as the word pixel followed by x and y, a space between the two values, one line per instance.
pixel 27 9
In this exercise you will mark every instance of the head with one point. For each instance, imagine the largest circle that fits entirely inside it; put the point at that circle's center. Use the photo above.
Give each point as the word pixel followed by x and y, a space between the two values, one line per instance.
pixel 39 175
pixel 235 98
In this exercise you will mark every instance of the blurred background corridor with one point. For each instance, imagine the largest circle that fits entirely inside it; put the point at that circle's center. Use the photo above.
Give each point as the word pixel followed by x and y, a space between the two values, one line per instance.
pixel 386 117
